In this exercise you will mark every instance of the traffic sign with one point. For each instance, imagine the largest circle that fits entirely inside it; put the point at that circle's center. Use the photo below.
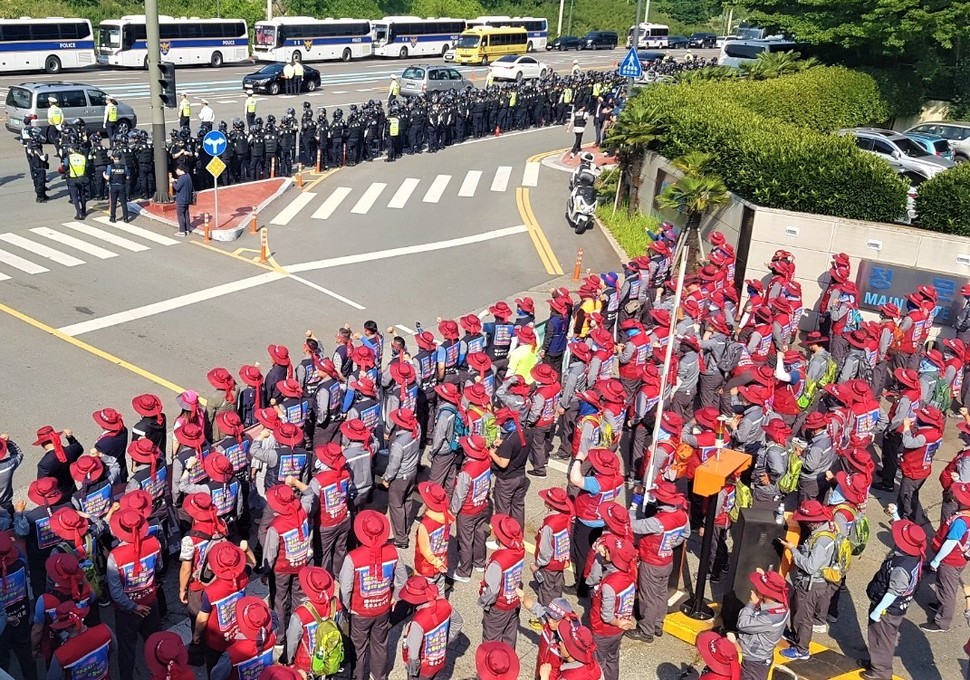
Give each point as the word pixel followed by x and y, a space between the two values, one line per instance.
pixel 630 67
pixel 214 143
pixel 216 166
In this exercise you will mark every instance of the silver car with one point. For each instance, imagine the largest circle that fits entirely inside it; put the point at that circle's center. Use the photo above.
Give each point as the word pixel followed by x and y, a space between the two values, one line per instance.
pixel 898 150
pixel 418 80
pixel 27 104
pixel 954 131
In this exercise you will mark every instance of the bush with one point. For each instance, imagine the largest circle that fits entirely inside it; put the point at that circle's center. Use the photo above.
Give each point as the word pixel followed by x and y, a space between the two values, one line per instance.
pixel 629 230
pixel 943 203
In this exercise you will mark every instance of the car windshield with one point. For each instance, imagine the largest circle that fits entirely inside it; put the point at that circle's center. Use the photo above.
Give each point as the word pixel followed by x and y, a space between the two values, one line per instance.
pixel 18 97
pixel 469 41
pixel 380 32
pixel 265 36
pixel 507 59
pixel 413 73
pixel 109 36
pixel 270 69
pixel 910 148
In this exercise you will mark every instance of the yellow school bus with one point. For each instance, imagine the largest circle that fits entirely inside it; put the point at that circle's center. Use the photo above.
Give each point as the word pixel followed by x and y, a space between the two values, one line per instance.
pixel 481 45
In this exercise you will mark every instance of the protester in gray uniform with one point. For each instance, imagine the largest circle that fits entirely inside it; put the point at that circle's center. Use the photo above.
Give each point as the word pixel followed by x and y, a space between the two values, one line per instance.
pixel 817 459
pixel 761 624
pixel 444 448
pixel 810 593
pixel 574 382
pixel 688 373
pixel 10 459
pixel 359 449
pixel 906 405
pixel 747 426
pixel 856 363
pixel 540 416
pixel 470 506
pixel 402 470
pixel 427 661
pixel 714 347
pixel 888 322
pixel 771 464
pixel 502 583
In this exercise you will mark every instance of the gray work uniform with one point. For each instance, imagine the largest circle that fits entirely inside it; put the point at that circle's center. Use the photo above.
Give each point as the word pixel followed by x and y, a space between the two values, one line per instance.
pixel 810 593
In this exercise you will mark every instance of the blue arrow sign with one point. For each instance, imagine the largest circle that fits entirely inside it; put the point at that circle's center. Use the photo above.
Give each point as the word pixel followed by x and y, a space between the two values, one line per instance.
pixel 214 143
pixel 631 67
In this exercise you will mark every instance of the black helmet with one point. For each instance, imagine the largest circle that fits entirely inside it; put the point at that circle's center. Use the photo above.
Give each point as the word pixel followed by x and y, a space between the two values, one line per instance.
pixel 259 121
pixel 291 111
pixel 306 105
pixel 271 119
pixel 353 108
pixel 222 126
pixel 185 132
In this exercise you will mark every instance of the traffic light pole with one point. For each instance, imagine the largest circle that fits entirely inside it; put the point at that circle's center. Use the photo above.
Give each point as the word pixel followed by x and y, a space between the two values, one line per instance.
pixel 155 102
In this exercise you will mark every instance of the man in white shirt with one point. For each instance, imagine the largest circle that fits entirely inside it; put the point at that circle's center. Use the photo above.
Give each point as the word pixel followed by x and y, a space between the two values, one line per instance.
pixel 206 116
pixel 288 73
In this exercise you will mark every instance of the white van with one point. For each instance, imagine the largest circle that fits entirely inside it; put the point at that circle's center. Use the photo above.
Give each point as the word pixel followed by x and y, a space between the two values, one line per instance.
pixel 737 52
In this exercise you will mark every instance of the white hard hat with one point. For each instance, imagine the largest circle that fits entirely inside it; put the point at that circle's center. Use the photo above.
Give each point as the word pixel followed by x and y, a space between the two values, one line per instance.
pixel 393 77
pixel 205 101
pixel 249 91
pixel 52 99
pixel 575 61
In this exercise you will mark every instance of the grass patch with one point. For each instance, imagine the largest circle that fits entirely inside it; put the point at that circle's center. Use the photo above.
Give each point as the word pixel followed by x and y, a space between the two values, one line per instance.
pixel 629 230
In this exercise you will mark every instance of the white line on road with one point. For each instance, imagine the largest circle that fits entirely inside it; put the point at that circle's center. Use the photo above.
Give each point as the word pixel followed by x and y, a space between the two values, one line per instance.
pixel 404 328
pixel 367 200
pixel 501 180
pixel 42 250
pixel 146 234
pixel 407 250
pixel 530 178
pixel 76 243
pixel 168 305
pixel 470 184
pixel 4 277
pixel 437 188
pixel 327 291
pixel 331 203
pixel 340 92
pixel 404 192
pixel 113 239
pixel 295 206
pixel 21 264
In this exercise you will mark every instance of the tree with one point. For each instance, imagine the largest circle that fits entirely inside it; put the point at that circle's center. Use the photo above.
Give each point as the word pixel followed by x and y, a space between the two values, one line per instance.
pixel 636 128
pixel 694 195
pixel 776 64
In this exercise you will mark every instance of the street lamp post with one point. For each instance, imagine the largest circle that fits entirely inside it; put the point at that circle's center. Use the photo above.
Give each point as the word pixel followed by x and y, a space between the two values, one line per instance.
pixel 562 4
pixel 570 29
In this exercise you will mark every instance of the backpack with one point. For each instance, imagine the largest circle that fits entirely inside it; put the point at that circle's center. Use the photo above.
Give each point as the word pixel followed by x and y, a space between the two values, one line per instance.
pixel 730 357
pixel 682 456
pixel 811 388
pixel 841 557
pixel 788 482
pixel 743 498
pixel 859 533
pixel 853 321
pixel 942 394
pixel 328 644
pixel 206 575
pixel 459 430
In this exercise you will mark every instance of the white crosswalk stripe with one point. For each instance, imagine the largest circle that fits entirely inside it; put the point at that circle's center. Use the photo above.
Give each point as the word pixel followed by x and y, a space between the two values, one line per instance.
pixel 42 250
pixel 295 206
pixel 530 178
pixel 4 277
pixel 107 236
pixel 146 234
pixel 401 196
pixel 21 264
pixel 470 183
pixel 367 200
pixel 333 201
pixel 437 188
pixel 76 243
pixel 502 175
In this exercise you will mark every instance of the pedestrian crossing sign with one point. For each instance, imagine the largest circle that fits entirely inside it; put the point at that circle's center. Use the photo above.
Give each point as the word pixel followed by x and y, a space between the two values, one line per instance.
pixel 631 67
pixel 216 166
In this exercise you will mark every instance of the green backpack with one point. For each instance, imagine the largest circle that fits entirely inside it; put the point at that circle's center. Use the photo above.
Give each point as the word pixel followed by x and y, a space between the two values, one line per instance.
pixel 859 533
pixel 328 644
pixel 839 566
pixel 788 482
pixel 743 498
pixel 942 394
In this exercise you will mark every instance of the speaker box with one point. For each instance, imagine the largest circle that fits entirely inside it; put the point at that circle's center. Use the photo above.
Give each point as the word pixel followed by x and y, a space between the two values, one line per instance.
pixel 754 546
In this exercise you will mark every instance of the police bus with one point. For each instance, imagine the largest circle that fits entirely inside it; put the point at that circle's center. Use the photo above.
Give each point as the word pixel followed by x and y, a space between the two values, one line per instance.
pixel 183 41
pixel 309 39
pixel 651 36
pixel 49 44
pixel 411 36
pixel 537 27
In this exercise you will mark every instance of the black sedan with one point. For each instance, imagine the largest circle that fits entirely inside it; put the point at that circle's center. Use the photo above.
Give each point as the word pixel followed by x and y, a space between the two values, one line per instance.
pixel 565 42
pixel 269 79
pixel 677 42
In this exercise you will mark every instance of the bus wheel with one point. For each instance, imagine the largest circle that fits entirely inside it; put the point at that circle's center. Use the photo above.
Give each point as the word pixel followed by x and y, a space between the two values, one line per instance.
pixel 145 65
pixel 529 47
pixel 484 61
pixel 346 55
pixel 403 54
pixel 444 51
pixel 52 64
pixel 216 60
pixel 297 56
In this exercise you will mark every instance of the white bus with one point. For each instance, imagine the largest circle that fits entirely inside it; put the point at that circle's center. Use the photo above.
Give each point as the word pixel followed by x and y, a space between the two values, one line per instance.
pixel 537 27
pixel 183 41
pixel 309 39
pixel 651 36
pixel 411 36
pixel 49 44
pixel 737 52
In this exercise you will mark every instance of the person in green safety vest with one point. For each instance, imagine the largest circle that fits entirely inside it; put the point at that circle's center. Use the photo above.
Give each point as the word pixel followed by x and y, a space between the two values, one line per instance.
pixel 393 134
pixel 76 171
pixel 565 104
pixel 110 122
pixel 393 90
pixel 55 119
pixel 250 109
pixel 185 111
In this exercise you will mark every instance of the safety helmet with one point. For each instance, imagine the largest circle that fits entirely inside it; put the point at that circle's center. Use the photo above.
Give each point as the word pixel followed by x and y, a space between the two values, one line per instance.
pixel 291 111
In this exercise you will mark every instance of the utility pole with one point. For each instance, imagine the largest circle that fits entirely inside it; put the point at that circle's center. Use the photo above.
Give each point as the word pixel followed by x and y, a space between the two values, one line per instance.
pixel 562 4
pixel 155 102
pixel 635 40
pixel 646 13
pixel 570 29
pixel 269 10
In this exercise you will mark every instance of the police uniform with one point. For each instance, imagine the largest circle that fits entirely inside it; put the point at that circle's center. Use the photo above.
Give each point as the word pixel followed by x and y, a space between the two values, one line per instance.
pixel 77 182
pixel 38 163
pixel 117 176
pixel 250 110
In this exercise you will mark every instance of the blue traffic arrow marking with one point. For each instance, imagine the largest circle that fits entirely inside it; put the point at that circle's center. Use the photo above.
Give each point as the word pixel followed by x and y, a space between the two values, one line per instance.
pixel 214 142
pixel 631 67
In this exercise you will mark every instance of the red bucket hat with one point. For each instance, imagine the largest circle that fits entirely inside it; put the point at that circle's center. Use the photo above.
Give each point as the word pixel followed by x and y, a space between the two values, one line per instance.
pixel 623 555
pixel 603 461
pixel 579 642
pixel 288 434
pixel 251 375
pixel 507 531
pixel 616 517
pixel 403 373
pixel 190 435
pixel 719 653
pixel 666 493
pixel 425 340
pixel 474 447
pixel 279 354
pixel 227 561
pixel 365 385
pixel 290 388
pixel 144 451
pixel 855 488
pixel 526 335
pixel 221 379
pixel 909 537
pixel 138 500
pixel 961 493
pixel 331 455
pixel 434 496
pixel 318 584
pixel 109 420
pixel 706 417
pixel 815 421
pixel 770 584
pixel 147 405
pixel 167 656
pixel 371 528
pixel 282 499
pixel 68 614
pixel 500 310
pixel 230 423
pixel 557 498
pixel 267 417
pixel 812 511
pixel 355 430
pixel 44 492
pixel 363 356
pixel 129 526
pixel 448 392
pixel 87 468
pixel 497 661
pixel 471 323
pixel 253 617
pixel 526 304
pixel 448 329
pixel 199 507
pixel 778 431
pixel 418 591
pixel 476 395
pixel 218 467
pixel 544 374
pixel 70 526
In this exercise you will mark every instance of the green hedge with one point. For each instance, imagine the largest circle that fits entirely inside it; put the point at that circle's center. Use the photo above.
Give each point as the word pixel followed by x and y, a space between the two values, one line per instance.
pixel 768 144
pixel 943 203
pixel 629 229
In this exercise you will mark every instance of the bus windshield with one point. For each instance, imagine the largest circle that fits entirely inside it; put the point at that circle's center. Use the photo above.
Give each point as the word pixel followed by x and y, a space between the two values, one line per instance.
pixel 265 36
pixel 469 41
pixel 380 32
pixel 109 36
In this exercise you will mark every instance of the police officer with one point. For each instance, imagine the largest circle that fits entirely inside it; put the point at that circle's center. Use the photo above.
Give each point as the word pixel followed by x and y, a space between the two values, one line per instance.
pixel 308 137
pixel 271 147
pixel 257 151
pixel 393 134
pixel 38 162
pixel 287 135
pixel 55 119
pixel 100 160
pixel 110 122
pixel 145 161
pixel 185 111
pixel 117 176
pixel 338 132
pixel 77 181
pixel 393 90
pixel 250 109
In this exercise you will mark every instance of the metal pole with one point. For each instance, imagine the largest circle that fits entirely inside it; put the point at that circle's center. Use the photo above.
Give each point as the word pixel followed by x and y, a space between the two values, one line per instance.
pixel 635 41
pixel 570 29
pixel 269 10
pixel 155 102
pixel 562 4
pixel 215 195
pixel 646 13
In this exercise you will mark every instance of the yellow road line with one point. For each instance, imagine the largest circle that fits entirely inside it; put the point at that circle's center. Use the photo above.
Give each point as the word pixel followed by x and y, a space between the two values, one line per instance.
pixel 325 175
pixel 536 242
pixel 541 234
pixel 236 256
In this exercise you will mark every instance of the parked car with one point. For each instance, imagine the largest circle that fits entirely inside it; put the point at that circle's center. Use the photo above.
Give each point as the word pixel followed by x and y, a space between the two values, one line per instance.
pixel 702 40
pixel 721 39
pixel 649 57
pixel 956 132
pixel 417 80
pixel 513 67
pixel 600 40
pixel 269 79
pixel 678 42
pixel 565 42
pixel 449 55
pixel 898 150
pixel 932 143
pixel 27 104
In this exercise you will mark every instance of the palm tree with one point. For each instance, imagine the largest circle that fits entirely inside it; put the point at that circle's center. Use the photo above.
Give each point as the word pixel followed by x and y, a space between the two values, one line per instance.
pixel 694 195
pixel 694 163
pixel 636 129
pixel 770 65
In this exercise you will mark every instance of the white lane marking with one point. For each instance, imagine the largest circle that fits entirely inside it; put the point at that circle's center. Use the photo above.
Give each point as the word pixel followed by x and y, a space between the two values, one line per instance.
pixel 401 196
pixel 470 183
pixel 340 92
pixel 407 250
pixel 72 242
pixel 295 206
pixel 226 101
pixel 501 181
pixel 21 264
pixel 42 250
pixel 530 178
pixel 168 305
pixel 4 277
pixel 404 328
pixel 146 234
pixel 437 188
pixel 367 200
pixel 327 291
pixel 107 236
pixel 331 203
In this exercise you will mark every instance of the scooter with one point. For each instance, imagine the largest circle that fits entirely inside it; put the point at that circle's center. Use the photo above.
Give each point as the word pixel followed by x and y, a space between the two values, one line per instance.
pixel 580 208
pixel 586 173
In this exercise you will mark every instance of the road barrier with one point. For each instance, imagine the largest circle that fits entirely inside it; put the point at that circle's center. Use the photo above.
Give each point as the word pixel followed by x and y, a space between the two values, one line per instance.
pixel 205 218
pixel 252 222
pixel 263 245
pixel 579 264
pixel 299 176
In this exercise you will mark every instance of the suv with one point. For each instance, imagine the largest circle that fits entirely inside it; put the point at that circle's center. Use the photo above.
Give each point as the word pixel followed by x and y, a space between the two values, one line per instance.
pixel 596 40
pixel 954 131
pixel 417 80
pixel 27 105
pixel 899 150
pixel 702 40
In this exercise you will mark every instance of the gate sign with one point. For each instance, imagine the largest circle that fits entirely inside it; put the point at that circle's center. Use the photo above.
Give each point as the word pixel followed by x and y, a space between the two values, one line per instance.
pixel 631 67
pixel 880 282
pixel 214 143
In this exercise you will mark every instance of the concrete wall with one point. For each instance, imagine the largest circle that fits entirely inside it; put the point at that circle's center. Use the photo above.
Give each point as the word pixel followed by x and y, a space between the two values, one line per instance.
pixel 932 110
